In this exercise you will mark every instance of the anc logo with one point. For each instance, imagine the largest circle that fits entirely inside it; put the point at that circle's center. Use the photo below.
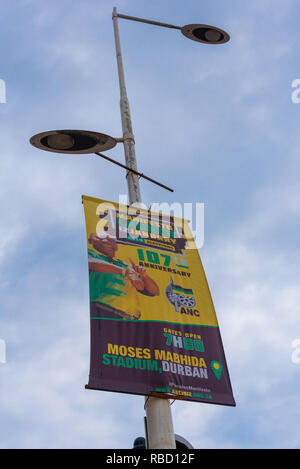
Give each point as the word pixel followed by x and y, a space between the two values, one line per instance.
pixel 179 296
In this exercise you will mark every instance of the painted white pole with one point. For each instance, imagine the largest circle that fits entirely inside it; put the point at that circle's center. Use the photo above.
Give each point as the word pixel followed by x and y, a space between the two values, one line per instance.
pixel 160 432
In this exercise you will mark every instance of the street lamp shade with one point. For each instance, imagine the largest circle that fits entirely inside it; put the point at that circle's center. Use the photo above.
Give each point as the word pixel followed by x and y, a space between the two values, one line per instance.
pixel 205 33
pixel 73 141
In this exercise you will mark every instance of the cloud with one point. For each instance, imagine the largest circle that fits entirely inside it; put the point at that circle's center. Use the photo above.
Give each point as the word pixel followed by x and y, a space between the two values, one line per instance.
pixel 222 131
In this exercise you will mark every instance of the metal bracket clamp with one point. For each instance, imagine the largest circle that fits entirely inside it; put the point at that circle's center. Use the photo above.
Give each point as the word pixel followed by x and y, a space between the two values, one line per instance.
pixel 126 136
pixel 162 395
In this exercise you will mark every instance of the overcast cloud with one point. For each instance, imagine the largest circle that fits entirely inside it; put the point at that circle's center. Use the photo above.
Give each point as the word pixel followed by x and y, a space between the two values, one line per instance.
pixel 216 123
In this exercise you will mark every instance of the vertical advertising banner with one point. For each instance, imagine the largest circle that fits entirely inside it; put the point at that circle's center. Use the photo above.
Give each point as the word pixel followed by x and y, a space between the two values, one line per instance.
pixel 153 324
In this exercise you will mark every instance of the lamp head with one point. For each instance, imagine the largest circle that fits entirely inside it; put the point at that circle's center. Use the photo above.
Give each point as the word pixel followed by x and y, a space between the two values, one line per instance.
pixel 72 141
pixel 205 33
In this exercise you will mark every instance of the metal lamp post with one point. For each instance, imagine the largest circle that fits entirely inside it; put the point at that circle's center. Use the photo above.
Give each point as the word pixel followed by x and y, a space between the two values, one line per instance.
pixel 159 425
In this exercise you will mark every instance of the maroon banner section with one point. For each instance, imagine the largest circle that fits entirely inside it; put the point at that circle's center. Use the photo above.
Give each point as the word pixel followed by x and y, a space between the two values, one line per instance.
pixel 184 360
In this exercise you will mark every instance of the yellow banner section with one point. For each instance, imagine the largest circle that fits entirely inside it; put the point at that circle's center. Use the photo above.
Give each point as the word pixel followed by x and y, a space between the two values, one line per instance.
pixel 144 266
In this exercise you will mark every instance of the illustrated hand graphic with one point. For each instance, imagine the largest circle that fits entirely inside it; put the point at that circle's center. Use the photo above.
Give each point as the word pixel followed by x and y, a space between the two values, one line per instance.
pixel 135 277
pixel 137 268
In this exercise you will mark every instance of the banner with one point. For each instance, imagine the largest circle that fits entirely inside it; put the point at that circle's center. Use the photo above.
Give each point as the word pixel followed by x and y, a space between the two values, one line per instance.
pixel 153 324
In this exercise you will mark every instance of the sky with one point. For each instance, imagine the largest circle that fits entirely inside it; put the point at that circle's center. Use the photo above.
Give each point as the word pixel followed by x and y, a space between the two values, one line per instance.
pixel 220 125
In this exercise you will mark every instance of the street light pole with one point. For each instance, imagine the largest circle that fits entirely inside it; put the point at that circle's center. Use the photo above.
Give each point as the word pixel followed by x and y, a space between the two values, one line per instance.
pixel 128 137
pixel 160 431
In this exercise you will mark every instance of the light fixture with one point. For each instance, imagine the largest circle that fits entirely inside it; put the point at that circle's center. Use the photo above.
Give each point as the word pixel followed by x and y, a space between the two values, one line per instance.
pixel 205 33
pixel 73 141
